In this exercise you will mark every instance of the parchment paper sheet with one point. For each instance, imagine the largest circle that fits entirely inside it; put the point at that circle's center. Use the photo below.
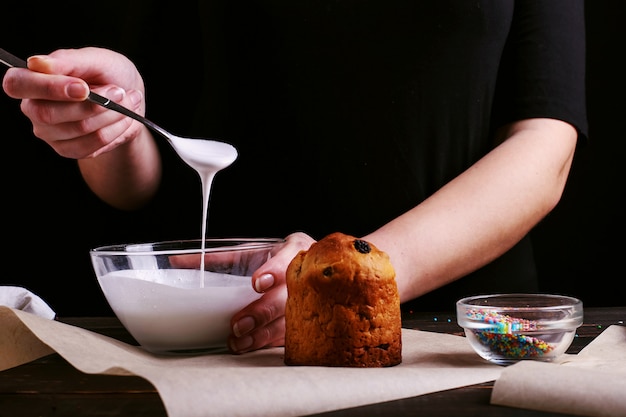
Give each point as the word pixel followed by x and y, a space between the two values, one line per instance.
pixel 256 383
pixel 592 383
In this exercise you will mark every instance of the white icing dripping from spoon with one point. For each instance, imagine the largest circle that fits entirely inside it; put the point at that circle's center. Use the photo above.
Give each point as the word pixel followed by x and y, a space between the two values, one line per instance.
pixel 207 157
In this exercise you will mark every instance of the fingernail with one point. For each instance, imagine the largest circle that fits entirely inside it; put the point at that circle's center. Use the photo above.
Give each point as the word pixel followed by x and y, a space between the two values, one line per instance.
pixel 243 326
pixel 135 97
pixel 37 58
pixel 116 94
pixel 237 345
pixel 264 282
pixel 39 62
pixel 77 90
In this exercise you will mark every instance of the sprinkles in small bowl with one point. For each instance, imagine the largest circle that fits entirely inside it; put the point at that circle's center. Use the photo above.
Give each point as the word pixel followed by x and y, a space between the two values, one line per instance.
pixel 507 328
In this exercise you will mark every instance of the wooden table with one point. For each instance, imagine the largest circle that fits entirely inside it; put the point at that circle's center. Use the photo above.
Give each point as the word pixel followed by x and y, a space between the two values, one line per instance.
pixel 52 387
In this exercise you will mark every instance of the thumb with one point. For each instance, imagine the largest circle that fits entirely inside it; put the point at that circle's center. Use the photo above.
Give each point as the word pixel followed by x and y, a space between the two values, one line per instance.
pixel 96 66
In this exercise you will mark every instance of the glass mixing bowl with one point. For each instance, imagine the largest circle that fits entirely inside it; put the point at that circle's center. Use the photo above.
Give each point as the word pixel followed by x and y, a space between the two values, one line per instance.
pixel 175 296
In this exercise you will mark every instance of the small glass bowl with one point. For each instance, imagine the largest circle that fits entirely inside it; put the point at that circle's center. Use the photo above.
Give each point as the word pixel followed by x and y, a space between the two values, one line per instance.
pixel 507 328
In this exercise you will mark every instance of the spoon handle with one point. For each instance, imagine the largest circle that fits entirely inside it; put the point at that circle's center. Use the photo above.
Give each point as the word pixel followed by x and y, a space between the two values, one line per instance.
pixel 12 61
pixel 111 105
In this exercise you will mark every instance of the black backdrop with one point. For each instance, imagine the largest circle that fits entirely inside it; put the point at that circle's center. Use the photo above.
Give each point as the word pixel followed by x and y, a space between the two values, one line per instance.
pixel 51 219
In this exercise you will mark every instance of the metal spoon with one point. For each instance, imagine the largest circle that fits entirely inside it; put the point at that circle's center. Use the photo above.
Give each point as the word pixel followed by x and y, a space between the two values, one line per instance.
pixel 219 155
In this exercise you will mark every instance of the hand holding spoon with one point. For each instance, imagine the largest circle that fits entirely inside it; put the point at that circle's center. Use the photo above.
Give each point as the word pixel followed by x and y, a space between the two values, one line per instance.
pixel 198 153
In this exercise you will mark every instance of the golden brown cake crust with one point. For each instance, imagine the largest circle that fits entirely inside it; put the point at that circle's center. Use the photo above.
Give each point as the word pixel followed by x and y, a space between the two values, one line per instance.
pixel 343 307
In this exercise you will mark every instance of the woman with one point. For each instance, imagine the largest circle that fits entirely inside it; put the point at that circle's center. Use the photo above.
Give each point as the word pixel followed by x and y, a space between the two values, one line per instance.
pixel 442 132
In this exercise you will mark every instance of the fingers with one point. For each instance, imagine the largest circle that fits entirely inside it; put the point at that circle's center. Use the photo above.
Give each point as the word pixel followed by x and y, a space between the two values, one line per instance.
pixel 23 83
pixel 79 130
pixel 67 75
pixel 262 323
pixel 50 112
pixel 272 273
pixel 96 66
pixel 46 78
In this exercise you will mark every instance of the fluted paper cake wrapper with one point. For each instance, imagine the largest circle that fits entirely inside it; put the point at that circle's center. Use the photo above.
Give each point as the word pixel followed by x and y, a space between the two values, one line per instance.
pixel 592 383
pixel 256 383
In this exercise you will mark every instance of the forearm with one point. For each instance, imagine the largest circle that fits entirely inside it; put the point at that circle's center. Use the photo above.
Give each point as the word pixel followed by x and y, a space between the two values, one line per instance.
pixel 483 212
pixel 126 177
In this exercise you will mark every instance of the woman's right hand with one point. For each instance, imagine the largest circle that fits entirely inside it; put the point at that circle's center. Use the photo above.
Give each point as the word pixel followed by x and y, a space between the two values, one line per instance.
pixel 117 156
pixel 54 89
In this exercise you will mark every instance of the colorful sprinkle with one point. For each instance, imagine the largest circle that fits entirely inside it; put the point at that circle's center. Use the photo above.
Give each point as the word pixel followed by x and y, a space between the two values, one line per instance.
pixel 500 337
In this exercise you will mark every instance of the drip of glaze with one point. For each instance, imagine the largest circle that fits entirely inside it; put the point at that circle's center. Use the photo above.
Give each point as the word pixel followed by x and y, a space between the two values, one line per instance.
pixel 207 158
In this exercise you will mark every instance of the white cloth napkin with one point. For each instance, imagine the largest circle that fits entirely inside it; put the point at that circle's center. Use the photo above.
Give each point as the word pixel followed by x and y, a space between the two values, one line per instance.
pixel 22 299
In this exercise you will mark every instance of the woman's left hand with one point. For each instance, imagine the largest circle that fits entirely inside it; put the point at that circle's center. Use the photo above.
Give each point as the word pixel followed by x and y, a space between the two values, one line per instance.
pixel 262 323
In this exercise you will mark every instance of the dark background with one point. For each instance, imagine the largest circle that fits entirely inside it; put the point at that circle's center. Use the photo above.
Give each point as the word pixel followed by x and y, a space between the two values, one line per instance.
pixel 51 219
